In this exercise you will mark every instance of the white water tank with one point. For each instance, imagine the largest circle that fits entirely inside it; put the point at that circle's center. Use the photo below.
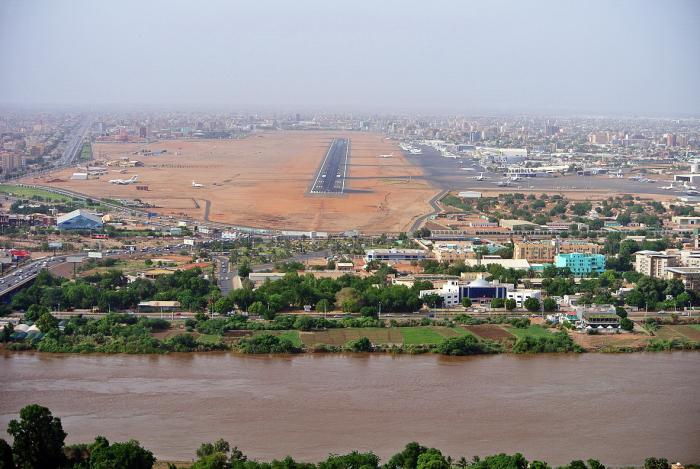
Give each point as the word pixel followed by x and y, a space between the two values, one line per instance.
pixel 695 168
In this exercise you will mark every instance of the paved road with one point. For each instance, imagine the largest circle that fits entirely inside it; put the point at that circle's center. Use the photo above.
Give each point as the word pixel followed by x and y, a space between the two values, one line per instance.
pixel 224 274
pixel 330 178
pixel 434 203
pixel 26 273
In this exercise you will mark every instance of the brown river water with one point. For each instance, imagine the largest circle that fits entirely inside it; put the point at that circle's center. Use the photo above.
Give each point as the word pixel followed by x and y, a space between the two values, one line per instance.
pixel 619 408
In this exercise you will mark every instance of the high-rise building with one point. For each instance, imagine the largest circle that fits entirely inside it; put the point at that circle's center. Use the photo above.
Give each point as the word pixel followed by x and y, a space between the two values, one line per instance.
pixel 143 131
pixel 671 140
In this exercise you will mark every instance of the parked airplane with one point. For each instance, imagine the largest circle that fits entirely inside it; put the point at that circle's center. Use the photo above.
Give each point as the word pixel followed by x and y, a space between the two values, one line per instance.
pixel 515 178
pixel 667 188
pixel 196 184
pixel 387 156
pixel 132 180
pixel 480 177
pixel 503 183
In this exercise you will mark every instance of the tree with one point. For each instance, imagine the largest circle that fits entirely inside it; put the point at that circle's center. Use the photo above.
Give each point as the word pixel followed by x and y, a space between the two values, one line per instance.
pixel 497 302
pixel 432 459
pixel 219 446
pixel 406 459
pixel 129 455
pixel 257 308
pixel 626 324
pixel 6 460
pixel 352 460
pixel 362 344
pixel 532 304
pixel 511 304
pixel 35 311
pixel 38 438
pixel 433 300
pixel 501 461
pixel 47 323
pixel 349 299
pixel 6 333
pixel 323 305
pixel 549 305
pixel 244 270
pixel 465 345
pixel 656 463
pixel 466 302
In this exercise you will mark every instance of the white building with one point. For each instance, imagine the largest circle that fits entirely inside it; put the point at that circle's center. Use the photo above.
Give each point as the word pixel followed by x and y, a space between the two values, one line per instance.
pixel 521 295
pixel 395 255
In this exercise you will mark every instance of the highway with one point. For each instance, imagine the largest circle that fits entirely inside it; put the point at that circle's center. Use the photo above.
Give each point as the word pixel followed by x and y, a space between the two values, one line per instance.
pixel 330 178
pixel 26 273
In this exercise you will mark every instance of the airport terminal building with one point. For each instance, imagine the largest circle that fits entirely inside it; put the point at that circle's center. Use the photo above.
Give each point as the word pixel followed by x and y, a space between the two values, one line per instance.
pixel 79 220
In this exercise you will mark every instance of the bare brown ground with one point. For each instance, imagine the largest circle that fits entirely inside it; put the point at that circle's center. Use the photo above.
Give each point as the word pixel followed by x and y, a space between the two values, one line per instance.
pixel 262 181
pixel 608 341
pixel 490 332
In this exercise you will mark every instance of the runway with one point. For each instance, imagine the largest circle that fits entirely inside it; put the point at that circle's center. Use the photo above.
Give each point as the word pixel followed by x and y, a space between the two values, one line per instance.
pixel 330 178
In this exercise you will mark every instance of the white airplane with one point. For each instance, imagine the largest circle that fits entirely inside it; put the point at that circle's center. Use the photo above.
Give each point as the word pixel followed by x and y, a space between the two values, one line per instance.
pixel 515 178
pixel 196 184
pixel 480 177
pixel 123 182
pixel 387 156
pixel 503 183
pixel 688 186
pixel 667 188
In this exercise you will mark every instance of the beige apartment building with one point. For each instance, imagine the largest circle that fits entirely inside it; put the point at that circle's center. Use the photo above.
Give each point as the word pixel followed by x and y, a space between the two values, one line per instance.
pixel 539 252
pixel 654 263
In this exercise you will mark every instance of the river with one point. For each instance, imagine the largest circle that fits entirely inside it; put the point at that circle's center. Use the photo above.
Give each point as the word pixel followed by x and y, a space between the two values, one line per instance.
pixel 618 408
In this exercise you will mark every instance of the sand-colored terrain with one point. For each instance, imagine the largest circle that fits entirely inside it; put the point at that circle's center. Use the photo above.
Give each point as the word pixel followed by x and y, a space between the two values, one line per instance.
pixel 262 181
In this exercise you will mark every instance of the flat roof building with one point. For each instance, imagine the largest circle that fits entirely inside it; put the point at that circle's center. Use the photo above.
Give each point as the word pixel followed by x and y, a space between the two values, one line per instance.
pixel 395 255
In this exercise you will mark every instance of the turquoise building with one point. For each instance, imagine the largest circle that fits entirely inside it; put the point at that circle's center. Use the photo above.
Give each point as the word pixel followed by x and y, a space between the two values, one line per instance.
pixel 581 264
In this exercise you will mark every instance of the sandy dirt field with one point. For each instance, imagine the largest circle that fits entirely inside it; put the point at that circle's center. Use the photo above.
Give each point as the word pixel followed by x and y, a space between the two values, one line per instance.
pixel 603 341
pixel 262 181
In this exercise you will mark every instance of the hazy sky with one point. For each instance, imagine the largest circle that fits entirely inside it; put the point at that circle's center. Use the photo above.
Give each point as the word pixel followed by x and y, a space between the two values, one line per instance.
pixel 586 56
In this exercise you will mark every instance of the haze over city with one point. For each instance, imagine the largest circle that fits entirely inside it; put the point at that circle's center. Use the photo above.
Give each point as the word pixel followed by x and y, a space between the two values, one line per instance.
pixel 583 57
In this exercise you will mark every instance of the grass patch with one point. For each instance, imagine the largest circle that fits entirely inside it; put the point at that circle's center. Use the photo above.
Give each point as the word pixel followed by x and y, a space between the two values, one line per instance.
pixel 29 192
pixel 455 202
pixel 209 339
pixel 420 335
pixel 532 331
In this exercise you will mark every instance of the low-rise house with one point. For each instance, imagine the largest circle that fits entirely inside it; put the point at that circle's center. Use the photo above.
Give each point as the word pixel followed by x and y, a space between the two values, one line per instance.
pixel 600 321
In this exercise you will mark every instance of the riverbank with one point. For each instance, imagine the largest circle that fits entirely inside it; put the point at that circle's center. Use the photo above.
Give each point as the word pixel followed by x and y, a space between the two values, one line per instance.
pixel 553 407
